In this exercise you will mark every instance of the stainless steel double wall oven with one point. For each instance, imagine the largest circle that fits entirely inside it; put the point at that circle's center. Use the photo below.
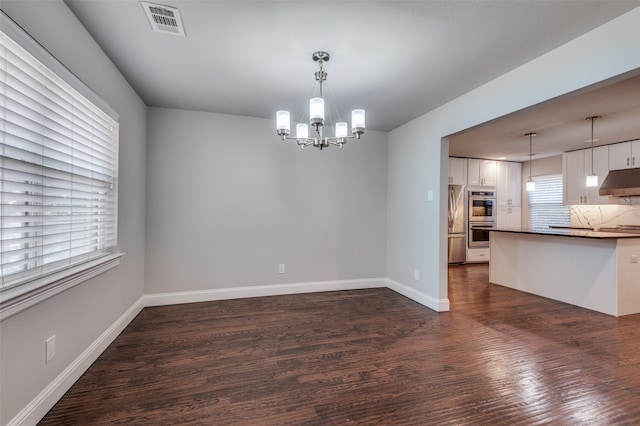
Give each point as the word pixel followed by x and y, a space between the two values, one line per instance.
pixel 481 216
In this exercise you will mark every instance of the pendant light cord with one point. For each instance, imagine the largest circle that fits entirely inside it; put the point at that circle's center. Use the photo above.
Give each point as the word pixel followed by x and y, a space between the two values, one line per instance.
pixel 530 155
pixel 592 119
pixel 531 135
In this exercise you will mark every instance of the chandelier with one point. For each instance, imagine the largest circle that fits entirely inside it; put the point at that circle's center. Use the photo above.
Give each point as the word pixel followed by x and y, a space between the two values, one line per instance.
pixel 316 118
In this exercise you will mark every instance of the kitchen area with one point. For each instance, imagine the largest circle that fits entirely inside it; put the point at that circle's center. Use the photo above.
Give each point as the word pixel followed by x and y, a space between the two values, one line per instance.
pixel 481 195
pixel 577 239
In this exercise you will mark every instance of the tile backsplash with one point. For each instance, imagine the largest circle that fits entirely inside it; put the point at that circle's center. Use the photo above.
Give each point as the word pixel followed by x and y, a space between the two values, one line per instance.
pixel 609 215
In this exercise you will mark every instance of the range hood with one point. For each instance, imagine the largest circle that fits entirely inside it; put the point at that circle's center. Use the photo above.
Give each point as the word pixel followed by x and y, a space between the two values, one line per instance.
pixel 621 183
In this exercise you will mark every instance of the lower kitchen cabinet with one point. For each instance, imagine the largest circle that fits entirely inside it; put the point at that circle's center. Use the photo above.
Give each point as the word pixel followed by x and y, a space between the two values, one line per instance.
pixel 478 254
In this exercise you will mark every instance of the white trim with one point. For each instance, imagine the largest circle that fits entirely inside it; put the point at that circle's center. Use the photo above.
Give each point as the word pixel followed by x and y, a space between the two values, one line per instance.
pixel 56 283
pixel 41 404
pixel 438 305
pixel 160 299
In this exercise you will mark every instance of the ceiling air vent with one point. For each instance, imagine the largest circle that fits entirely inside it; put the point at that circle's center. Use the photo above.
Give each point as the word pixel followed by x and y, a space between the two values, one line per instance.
pixel 164 19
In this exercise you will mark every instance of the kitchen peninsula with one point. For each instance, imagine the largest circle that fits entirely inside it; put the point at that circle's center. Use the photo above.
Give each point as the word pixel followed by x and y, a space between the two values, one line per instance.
pixel 592 269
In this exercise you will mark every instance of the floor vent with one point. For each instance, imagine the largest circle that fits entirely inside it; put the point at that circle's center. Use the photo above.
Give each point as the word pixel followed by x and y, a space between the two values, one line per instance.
pixel 164 19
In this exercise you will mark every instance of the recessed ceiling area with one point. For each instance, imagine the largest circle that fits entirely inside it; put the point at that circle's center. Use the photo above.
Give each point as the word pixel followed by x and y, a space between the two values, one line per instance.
pixel 560 124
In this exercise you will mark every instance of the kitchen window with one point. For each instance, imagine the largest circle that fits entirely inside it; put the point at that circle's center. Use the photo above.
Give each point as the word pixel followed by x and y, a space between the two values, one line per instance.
pixel 58 170
pixel 545 203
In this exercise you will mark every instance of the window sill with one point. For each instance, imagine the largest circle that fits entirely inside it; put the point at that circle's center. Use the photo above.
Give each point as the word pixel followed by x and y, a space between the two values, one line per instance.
pixel 13 301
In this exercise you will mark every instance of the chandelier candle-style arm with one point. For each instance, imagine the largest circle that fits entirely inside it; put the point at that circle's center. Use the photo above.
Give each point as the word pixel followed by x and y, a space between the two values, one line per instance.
pixel 317 118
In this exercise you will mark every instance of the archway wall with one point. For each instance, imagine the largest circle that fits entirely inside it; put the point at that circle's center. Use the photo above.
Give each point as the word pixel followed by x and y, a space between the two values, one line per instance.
pixel 418 150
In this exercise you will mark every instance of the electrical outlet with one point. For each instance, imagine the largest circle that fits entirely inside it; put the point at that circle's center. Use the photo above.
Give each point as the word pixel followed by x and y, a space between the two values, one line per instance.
pixel 416 275
pixel 50 346
pixel 633 258
pixel 281 268
pixel 430 195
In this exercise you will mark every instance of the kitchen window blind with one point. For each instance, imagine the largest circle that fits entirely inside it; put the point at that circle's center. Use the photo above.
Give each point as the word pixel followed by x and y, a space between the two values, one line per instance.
pixel 545 203
pixel 58 170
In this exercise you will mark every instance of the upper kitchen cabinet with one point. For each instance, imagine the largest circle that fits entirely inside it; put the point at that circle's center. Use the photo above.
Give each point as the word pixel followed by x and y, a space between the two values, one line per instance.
pixel 624 155
pixel 481 172
pixel 576 166
pixel 509 217
pixel 508 183
pixel 457 171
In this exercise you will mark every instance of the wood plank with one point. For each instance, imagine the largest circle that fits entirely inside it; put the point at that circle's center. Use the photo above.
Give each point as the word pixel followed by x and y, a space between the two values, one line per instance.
pixel 366 357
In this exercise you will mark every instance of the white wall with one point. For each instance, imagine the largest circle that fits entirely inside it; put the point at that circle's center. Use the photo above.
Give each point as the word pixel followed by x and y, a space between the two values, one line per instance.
pixel 228 201
pixel 418 156
pixel 542 166
pixel 80 315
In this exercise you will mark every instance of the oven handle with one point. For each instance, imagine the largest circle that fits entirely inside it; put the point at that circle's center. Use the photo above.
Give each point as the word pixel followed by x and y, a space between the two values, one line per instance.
pixel 482 225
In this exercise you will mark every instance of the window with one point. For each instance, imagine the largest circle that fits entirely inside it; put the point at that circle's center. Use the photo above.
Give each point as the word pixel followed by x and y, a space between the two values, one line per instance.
pixel 58 170
pixel 545 203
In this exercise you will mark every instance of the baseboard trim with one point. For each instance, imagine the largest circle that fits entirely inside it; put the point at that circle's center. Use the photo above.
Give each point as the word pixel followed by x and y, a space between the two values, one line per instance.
pixel 438 305
pixel 41 404
pixel 160 299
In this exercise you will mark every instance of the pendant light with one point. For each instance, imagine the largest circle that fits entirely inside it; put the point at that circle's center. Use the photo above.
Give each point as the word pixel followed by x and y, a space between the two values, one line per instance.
pixel 531 185
pixel 592 179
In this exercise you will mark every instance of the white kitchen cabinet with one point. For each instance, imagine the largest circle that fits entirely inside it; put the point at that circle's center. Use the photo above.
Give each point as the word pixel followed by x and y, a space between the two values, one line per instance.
pixel 508 184
pixel 481 172
pixel 624 155
pixel 575 169
pixel 478 254
pixel 457 171
pixel 573 178
pixel 509 217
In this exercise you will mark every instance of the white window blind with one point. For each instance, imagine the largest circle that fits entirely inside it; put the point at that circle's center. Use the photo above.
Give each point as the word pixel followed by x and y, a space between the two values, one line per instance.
pixel 58 169
pixel 545 203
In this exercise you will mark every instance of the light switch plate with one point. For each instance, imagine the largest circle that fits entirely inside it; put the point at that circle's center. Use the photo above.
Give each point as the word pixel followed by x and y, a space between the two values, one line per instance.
pixel 50 346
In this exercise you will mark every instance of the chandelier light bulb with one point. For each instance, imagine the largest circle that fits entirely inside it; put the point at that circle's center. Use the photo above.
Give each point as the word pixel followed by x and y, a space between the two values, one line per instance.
pixel 302 131
pixel 282 123
pixel 316 111
pixel 357 121
pixel 341 130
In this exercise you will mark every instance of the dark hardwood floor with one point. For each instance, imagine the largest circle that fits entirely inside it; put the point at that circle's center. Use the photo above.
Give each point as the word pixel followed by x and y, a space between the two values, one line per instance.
pixel 368 357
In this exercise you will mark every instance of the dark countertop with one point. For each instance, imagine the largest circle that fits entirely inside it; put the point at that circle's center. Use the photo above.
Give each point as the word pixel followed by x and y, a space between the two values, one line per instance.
pixel 568 232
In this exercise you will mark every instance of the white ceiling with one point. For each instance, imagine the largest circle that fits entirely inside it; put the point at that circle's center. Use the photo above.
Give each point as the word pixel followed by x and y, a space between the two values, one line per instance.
pixel 396 59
